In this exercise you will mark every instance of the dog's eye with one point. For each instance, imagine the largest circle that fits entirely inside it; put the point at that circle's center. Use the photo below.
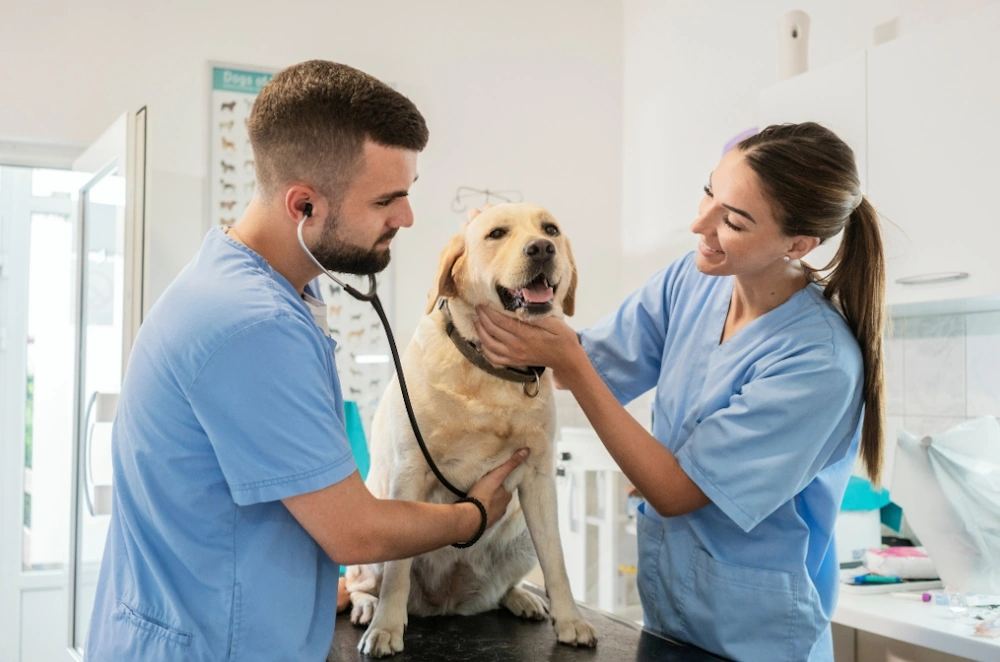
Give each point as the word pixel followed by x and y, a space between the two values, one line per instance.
pixel 497 233
pixel 552 230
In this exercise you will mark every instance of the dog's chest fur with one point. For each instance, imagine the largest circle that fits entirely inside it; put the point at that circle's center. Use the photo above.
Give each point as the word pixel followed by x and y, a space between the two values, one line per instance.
pixel 458 401
pixel 471 422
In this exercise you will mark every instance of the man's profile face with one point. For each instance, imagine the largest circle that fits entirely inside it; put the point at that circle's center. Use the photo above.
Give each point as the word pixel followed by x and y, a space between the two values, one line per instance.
pixel 355 238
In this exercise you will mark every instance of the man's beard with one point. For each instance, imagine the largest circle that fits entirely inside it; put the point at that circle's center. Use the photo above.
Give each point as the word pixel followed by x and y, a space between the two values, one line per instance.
pixel 336 255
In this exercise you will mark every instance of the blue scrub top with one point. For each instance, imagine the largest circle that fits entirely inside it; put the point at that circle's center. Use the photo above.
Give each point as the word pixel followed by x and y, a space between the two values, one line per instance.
pixel 767 425
pixel 230 403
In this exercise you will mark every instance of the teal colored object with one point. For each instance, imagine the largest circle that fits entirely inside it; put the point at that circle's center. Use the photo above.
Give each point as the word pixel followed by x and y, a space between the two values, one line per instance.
pixel 860 495
pixel 236 80
pixel 359 447
pixel 356 433
pixel 876 579
pixel 892 516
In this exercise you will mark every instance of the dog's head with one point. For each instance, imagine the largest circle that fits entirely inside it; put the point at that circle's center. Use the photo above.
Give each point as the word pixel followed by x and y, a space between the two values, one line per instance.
pixel 513 257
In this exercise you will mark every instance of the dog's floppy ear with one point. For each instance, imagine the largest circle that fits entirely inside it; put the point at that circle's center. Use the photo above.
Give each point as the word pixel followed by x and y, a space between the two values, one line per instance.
pixel 569 302
pixel 449 268
pixel 472 213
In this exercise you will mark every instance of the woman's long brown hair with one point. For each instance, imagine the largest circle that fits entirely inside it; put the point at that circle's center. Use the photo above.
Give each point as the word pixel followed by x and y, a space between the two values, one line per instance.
pixel 810 176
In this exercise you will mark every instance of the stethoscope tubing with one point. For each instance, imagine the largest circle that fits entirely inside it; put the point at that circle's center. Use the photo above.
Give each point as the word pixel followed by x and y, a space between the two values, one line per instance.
pixel 372 298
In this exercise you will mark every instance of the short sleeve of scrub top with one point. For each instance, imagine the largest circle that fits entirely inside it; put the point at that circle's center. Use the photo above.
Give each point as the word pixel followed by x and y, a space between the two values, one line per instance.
pixel 266 401
pixel 633 336
pixel 770 429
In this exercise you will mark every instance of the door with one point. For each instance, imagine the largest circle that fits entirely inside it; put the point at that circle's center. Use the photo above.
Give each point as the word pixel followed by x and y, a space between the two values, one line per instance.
pixel 40 232
pixel 109 301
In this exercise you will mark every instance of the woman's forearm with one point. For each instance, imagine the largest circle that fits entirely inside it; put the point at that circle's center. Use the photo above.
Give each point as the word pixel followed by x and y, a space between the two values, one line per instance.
pixel 651 468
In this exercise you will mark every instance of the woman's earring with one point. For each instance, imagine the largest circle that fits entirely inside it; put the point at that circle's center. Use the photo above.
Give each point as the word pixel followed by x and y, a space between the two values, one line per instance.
pixel 786 258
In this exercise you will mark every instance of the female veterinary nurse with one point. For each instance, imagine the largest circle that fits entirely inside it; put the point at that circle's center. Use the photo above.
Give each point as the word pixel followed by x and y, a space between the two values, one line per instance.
pixel 766 379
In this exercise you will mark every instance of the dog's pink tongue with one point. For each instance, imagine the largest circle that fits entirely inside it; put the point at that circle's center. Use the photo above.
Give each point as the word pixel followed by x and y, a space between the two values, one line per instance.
pixel 537 294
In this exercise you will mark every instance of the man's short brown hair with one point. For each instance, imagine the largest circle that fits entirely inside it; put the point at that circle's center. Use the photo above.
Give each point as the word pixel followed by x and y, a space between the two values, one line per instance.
pixel 310 121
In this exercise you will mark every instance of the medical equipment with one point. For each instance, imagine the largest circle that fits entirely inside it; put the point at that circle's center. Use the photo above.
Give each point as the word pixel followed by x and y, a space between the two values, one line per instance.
pixel 948 485
pixel 916 597
pixel 372 297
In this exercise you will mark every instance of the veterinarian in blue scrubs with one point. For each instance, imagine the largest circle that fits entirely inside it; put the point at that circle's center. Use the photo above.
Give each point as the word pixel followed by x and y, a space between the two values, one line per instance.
pixel 235 491
pixel 767 381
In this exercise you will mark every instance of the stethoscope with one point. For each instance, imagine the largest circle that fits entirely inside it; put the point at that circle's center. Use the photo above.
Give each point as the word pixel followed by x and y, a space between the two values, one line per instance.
pixel 372 297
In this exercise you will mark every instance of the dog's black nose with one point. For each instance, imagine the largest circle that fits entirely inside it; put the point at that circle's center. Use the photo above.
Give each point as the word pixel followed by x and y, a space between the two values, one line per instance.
pixel 540 249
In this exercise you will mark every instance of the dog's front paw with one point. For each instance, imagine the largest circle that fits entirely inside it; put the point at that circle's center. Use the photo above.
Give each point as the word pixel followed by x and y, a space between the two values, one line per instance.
pixel 525 604
pixel 575 632
pixel 363 607
pixel 382 641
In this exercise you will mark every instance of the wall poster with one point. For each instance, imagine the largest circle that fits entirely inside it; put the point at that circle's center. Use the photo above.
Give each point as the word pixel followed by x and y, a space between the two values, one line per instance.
pixel 230 171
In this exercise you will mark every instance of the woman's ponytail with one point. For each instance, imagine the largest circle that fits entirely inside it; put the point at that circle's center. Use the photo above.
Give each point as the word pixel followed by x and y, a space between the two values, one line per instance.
pixel 857 285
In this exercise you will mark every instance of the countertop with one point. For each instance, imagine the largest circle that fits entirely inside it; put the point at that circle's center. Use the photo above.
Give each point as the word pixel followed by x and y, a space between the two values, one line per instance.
pixel 499 636
pixel 923 624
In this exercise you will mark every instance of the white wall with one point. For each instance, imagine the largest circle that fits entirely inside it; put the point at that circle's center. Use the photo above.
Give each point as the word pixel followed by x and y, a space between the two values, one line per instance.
pixel 693 73
pixel 518 95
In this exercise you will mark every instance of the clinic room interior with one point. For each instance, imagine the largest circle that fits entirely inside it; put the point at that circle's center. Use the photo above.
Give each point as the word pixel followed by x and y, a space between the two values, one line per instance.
pixel 599 183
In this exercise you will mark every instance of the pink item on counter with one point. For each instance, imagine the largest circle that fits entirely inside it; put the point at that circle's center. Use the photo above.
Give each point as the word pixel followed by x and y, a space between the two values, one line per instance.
pixel 901 552
pixel 902 562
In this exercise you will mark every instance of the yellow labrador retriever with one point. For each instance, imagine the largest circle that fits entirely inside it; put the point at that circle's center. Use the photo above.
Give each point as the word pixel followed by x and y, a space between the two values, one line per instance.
pixel 473 416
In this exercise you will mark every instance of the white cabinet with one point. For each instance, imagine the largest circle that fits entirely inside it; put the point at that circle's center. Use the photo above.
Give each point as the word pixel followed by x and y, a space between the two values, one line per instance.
pixel 833 96
pixel 597 534
pixel 921 114
pixel 934 158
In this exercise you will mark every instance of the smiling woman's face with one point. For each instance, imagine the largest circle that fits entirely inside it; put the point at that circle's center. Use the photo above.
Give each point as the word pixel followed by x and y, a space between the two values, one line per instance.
pixel 736 226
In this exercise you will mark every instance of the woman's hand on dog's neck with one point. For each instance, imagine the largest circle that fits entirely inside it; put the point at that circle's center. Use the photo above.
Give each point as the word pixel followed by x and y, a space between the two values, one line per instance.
pixel 548 342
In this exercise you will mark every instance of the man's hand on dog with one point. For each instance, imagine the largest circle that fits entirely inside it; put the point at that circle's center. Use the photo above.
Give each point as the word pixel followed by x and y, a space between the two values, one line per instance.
pixel 491 492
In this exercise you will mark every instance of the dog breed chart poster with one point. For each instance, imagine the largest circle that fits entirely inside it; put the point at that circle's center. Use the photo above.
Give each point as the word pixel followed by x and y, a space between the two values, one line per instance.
pixel 230 173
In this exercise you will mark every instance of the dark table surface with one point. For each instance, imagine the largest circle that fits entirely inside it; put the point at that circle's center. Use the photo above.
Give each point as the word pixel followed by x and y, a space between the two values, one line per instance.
pixel 499 636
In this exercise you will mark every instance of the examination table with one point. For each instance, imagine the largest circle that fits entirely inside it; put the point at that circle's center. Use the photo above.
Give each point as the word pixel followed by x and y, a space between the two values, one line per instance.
pixel 499 636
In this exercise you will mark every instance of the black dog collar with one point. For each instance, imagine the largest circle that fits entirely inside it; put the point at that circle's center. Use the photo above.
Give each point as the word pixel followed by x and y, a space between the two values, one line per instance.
pixel 527 376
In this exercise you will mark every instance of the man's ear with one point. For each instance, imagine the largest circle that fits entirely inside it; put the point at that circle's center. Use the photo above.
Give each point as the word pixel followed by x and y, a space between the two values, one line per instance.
pixel 450 266
pixel 569 302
